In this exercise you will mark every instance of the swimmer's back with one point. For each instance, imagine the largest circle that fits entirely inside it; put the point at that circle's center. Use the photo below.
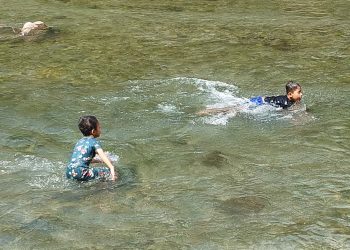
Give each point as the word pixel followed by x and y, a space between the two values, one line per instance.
pixel 277 101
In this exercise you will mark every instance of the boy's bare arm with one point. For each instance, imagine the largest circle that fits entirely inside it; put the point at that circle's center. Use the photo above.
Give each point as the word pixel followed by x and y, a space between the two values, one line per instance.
pixel 105 159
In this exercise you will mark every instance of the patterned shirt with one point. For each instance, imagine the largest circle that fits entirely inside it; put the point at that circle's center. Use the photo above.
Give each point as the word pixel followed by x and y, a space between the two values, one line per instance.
pixel 84 151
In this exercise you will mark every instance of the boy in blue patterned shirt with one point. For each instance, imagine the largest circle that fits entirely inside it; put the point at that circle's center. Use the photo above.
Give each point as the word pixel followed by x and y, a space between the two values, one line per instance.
pixel 85 151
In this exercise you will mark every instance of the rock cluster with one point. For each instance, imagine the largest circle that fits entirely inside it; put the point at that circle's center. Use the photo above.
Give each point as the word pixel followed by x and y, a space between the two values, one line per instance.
pixel 30 28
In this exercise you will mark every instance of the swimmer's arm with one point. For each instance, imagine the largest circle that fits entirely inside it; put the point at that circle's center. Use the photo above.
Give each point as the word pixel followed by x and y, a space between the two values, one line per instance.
pixel 105 159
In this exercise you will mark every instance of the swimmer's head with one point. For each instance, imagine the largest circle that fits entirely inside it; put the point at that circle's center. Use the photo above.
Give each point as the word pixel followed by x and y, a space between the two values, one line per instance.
pixel 294 92
pixel 89 125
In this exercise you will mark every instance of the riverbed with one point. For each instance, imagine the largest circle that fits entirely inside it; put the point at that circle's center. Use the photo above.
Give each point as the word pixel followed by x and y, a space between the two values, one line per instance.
pixel 254 178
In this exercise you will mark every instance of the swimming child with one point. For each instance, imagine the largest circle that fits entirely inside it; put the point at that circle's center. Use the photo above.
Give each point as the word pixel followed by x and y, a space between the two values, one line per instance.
pixel 293 95
pixel 84 152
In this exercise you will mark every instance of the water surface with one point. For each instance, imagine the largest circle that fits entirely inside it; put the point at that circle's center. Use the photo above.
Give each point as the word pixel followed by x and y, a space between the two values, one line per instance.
pixel 257 178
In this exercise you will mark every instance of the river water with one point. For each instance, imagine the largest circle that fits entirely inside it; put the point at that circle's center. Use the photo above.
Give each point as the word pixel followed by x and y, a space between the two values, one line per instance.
pixel 258 178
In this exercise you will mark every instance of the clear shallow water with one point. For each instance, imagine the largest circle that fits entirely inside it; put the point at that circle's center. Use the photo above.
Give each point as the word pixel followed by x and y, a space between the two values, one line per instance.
pixel 259 178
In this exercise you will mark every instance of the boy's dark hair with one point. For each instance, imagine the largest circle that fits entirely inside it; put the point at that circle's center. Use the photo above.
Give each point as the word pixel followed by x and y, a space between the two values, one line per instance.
pixel 87 124
pixel 292 86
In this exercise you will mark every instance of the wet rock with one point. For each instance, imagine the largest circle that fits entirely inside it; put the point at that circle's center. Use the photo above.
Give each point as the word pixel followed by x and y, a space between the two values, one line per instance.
pixel 36 31
pixel 281 44
pixel 29 32
pixel 243 205
pixel 30 29
pixel 39 224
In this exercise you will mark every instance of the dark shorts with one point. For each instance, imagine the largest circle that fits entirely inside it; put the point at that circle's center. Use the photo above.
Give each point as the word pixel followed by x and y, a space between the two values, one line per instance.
pixel 86 174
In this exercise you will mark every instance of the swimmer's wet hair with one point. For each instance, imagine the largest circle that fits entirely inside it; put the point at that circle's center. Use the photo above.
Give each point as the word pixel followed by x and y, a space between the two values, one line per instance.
pixel 292 86
pixel 87 124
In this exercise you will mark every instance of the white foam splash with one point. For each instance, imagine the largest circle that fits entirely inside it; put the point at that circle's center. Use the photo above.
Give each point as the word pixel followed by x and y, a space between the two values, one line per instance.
pixel 220 119
pixel 167 108
pixel 39 172
pixel 206 84
pixel 221 95
pixel 176 95
pixel 53 181
pixel 112 157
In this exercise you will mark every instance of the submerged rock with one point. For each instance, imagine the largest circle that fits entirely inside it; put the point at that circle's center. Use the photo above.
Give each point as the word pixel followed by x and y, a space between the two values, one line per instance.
pixel 215 158
pixel 243 205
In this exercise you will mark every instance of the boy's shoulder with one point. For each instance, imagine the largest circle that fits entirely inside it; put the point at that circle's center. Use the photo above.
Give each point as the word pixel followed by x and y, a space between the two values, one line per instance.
pixel 278 98
pixel 88 140
pixel 279 101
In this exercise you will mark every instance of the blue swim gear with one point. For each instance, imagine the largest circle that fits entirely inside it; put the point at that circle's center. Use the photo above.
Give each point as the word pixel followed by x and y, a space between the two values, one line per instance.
pixel 281 101
pixel 257 100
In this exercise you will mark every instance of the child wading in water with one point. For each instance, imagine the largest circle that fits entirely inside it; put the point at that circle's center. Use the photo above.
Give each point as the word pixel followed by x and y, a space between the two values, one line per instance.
pixel 85 151
pixel 293 95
